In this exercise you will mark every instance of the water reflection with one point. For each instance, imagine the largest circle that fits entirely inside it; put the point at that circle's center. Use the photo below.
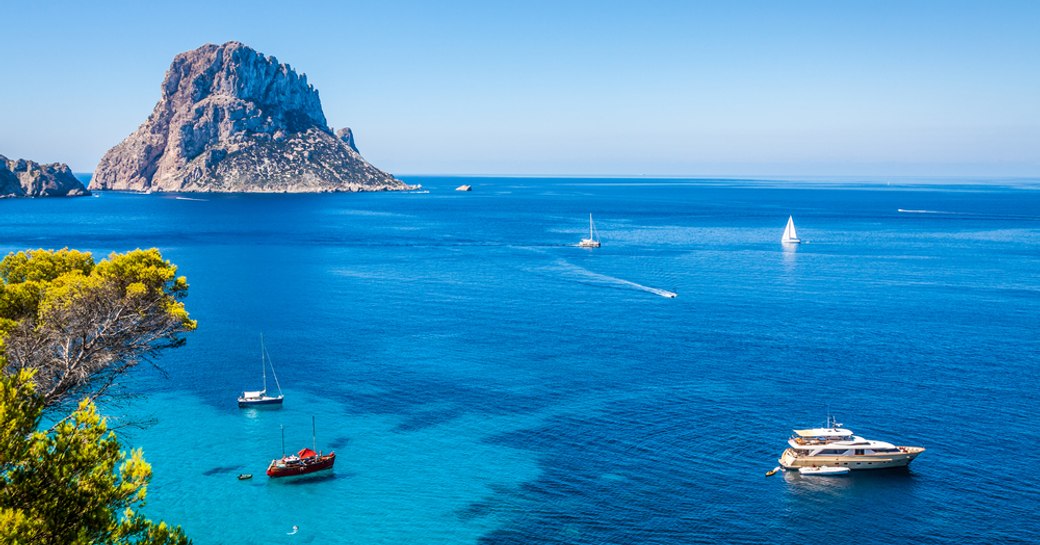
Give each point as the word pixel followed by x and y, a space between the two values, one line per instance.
pixel 311 478
pixel 790 253
pixel 894 480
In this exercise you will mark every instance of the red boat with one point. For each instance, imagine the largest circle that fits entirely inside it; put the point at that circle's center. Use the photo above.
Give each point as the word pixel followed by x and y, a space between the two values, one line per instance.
pixel 302 463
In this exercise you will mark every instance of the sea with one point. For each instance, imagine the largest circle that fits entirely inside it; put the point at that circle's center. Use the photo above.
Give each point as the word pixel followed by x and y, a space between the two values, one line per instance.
pixel 483 380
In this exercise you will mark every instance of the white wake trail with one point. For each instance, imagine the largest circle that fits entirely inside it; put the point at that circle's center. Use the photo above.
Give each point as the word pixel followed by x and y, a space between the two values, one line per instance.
pixel 586 274
pixel 905 211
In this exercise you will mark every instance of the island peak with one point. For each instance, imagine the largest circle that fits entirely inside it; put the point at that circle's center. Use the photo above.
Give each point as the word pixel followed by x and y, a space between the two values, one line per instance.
pixel 232 119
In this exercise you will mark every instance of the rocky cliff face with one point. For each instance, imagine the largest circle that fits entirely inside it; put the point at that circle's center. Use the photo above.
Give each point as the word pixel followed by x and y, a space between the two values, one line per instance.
pixel 232 119
pixel 21 178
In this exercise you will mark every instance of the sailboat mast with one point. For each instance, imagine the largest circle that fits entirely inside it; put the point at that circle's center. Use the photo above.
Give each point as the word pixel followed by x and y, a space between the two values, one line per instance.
pixel 263 364
pixel 283 441
pixel 314 436
pixel 590 226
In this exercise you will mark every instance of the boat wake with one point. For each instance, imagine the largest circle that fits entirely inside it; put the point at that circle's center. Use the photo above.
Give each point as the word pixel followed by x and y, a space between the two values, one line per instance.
pixel 970 214
pixel 190 199
pixel 611 281
pixel 906 211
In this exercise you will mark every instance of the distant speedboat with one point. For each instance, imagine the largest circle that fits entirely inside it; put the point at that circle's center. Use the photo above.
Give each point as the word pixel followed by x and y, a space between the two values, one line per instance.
pixel 593 240
pixel 306 461
pixel 464 187
pixel 790 236
pixel 252 399
pixel 836 447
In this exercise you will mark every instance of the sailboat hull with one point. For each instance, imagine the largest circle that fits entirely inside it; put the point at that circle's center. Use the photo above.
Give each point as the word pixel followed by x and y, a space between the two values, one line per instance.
pixel 253 402
pixel 294 467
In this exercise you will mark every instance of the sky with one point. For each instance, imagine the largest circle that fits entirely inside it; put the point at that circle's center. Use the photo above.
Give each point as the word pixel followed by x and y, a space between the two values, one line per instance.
pixel 655 88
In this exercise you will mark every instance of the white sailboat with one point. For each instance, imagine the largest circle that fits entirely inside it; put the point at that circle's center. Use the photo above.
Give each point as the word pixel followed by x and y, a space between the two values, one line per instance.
pixel 790 236
pixel 250 399
pixel 593 240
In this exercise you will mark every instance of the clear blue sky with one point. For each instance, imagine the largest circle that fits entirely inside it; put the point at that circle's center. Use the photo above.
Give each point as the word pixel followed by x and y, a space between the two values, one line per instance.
pixel 660 88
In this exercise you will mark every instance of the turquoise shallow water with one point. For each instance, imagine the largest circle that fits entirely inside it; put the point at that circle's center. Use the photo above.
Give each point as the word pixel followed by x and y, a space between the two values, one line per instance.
pixel 482 380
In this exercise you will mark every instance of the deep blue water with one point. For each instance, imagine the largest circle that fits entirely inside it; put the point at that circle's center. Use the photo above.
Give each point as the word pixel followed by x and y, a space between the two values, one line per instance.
pixel 484 381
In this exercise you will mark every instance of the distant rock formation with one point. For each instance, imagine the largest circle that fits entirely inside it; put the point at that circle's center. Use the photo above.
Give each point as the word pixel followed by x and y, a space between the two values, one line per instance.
pixel 234 120
pixel 22 178
pixel 347 135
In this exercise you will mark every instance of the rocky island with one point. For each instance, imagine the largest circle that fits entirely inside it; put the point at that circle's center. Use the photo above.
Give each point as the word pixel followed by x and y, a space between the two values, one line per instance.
pixel 23 178
pixel 234 120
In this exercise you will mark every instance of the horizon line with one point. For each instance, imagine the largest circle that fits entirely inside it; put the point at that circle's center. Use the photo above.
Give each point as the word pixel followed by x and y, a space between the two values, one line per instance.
pixel 702 176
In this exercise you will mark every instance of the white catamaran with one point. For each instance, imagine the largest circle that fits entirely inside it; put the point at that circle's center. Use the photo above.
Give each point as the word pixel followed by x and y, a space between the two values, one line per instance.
pixel 790 236
pixel 593 240
pixel 251 399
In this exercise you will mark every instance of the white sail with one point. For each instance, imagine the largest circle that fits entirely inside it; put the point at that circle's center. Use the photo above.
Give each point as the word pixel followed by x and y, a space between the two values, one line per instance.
pixel 790 235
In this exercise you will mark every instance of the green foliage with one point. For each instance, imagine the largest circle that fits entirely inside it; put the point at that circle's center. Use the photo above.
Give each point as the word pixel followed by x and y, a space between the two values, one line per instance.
pixel 70 484
pixel 69 327
pixel 80 324
pixel 43 265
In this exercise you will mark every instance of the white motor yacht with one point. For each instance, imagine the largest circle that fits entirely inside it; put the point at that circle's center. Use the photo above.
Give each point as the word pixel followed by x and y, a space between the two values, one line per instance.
pixel 834 446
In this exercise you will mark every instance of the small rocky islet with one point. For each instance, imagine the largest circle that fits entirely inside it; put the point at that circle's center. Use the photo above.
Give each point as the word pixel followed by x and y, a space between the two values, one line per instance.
pixel 24 178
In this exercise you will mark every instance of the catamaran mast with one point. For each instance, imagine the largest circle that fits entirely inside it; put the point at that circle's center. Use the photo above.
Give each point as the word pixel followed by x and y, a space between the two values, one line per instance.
pixel 283 441
pixel 314 438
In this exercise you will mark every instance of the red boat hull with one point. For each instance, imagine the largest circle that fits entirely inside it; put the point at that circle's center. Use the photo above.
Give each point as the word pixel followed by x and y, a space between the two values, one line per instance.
pixel 292 466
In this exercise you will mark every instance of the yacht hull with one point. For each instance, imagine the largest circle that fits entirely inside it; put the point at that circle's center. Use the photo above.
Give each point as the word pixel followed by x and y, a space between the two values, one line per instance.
pixel 790 460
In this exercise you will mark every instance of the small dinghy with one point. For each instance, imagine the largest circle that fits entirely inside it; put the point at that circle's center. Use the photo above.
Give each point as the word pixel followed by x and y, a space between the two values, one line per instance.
pixel 244 476
pixel 773 471
pixel 824 470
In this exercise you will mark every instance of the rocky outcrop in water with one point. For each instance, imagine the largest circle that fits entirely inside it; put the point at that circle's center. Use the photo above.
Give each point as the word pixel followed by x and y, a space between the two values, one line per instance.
pixel 232 119
pixel 22 178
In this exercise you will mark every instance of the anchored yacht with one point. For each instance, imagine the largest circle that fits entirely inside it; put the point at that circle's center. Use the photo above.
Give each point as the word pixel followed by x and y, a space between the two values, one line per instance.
pixel 834 446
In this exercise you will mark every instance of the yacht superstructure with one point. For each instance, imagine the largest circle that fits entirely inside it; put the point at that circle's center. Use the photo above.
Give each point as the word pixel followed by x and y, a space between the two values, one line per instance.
pixel 834 446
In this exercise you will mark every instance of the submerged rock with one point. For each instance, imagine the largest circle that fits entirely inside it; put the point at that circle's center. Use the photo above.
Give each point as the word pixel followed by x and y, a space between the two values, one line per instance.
pixel 232 119
pixel 23 178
